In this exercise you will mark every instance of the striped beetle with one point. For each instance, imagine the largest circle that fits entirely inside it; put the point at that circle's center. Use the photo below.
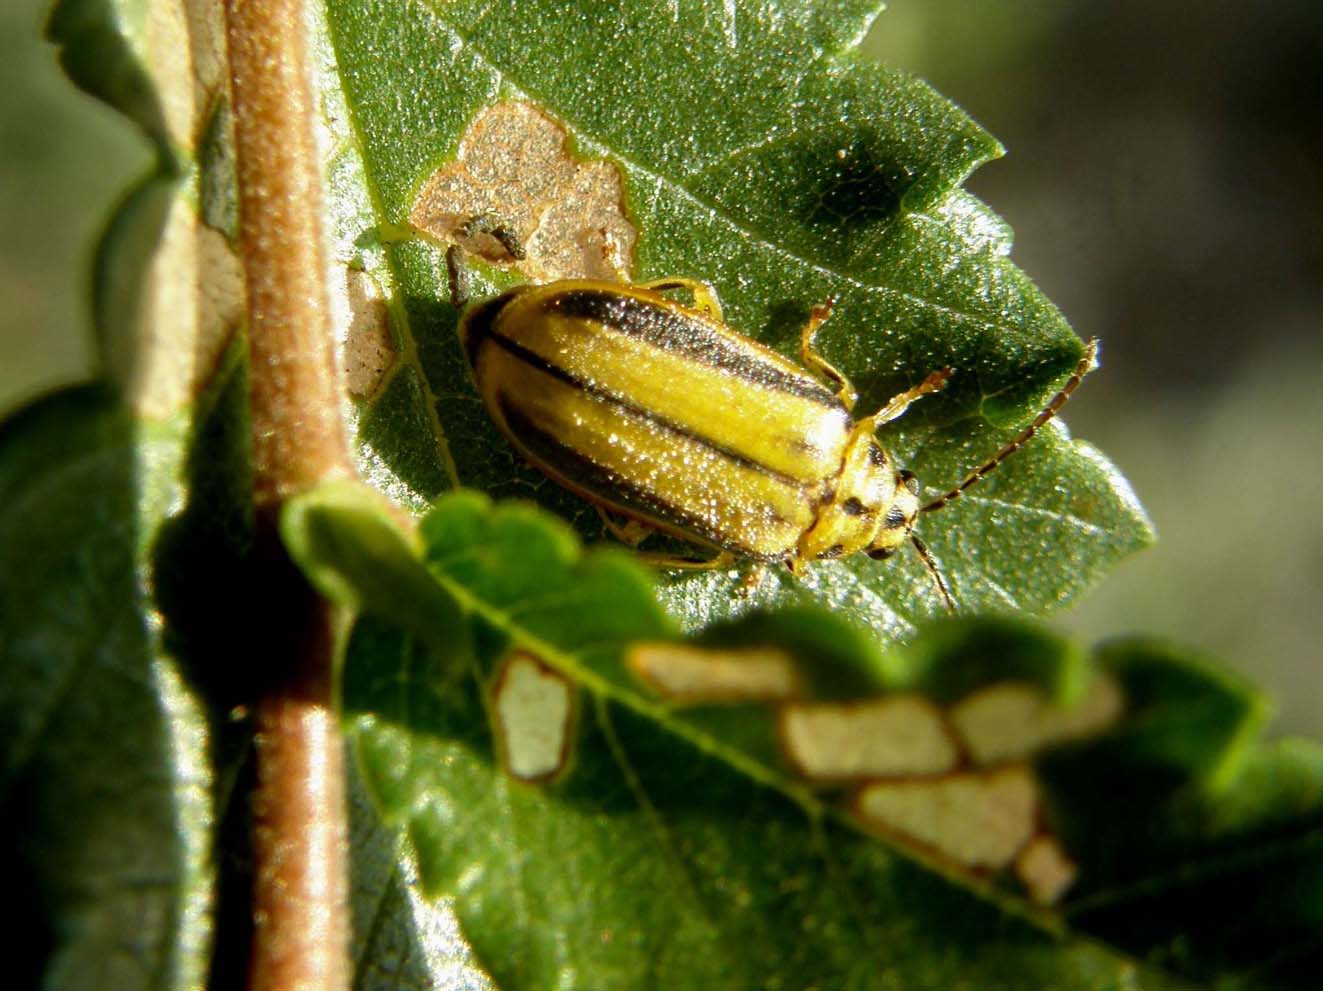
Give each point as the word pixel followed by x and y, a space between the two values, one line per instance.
pixel 658 412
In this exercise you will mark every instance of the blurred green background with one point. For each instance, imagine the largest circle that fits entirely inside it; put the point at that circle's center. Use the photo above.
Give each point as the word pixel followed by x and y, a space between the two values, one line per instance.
pixel 1164 183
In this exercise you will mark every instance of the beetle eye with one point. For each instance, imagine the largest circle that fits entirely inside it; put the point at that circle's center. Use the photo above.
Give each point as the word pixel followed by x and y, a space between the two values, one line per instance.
pixel 880 553
pixel 909 481
pixel 853 507
pixel 895 518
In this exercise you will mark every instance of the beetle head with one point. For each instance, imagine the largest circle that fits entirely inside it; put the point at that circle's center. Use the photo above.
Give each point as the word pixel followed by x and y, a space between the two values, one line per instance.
pixel 896 524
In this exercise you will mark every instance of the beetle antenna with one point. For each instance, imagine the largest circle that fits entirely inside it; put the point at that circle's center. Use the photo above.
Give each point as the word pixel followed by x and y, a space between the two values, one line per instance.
pixel 1086 365
pixel 927 558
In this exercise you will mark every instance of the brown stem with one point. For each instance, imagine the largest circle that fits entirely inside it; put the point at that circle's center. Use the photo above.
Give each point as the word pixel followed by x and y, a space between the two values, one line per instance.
pixel 300 850
pixel 300 898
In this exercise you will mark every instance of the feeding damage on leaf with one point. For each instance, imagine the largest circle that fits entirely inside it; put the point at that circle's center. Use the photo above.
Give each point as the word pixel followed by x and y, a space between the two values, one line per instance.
pixel 683 673
pixel 367 349
pixel 978 820
pixel 169 288
pixel 533 708
pixel 1011 720
pixel 514 162
pixel 952 781
pixel 838 742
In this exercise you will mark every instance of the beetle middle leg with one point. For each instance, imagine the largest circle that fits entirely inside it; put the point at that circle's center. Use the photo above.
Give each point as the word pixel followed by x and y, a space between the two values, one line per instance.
pixel 705 297
pixel 629 532
pixel 749 580
pixel 814 359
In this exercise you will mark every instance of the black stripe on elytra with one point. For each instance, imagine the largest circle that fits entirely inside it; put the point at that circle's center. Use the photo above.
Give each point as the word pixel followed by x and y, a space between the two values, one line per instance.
pixel 476 323
pixel 669 329
pixel 593 477
pixel 555 371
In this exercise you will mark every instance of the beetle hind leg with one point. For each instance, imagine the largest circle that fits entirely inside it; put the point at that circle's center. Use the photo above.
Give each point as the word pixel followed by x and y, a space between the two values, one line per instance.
pixel 705 297
pixel 673 562
pixel 749 580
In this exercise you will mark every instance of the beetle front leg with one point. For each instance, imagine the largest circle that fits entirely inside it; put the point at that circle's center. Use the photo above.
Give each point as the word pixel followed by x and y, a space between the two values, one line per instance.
pixel 814 360
pixel 899 404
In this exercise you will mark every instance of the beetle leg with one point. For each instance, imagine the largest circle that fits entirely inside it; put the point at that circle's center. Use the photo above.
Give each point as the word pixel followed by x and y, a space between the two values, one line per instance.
pixel 752 579
pixel 673 562
pixel 810 356
pixel 899 404
pixel 629 532
pixel 705 297
pixel 458 275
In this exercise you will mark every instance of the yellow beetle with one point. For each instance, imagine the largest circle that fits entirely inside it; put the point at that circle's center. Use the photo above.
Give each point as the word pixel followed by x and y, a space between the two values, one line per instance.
pixel 657 411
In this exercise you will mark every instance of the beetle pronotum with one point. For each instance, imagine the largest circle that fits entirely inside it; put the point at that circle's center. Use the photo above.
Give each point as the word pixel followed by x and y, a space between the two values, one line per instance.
pixel 658 412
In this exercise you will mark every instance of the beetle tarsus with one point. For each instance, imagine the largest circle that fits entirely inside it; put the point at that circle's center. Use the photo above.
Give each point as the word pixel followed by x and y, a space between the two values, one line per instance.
pixel 706 300
pixel 899 404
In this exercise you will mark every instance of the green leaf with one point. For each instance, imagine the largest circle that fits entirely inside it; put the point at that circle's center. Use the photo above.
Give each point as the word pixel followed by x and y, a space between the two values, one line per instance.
pixel 102 50
pixel 1211 860
pixel 402 940
pixel 353 550
pixel 116 768
pixel 757 152
pixel 104 772
pixel 677 841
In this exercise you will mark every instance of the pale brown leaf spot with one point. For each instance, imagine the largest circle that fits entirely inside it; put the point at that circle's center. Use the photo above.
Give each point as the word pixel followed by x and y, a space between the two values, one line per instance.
pixel 184 51
pixel 534 709
pixel 979 820
pixel 694 675
pixel 885 737
pixel 514 165
pixel 1013 720
pixel 1045 870
pixel 367 350
pixel 192 298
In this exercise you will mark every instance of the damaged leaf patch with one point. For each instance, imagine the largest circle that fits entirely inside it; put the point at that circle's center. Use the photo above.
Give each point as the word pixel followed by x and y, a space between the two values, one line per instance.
pixel 514 164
